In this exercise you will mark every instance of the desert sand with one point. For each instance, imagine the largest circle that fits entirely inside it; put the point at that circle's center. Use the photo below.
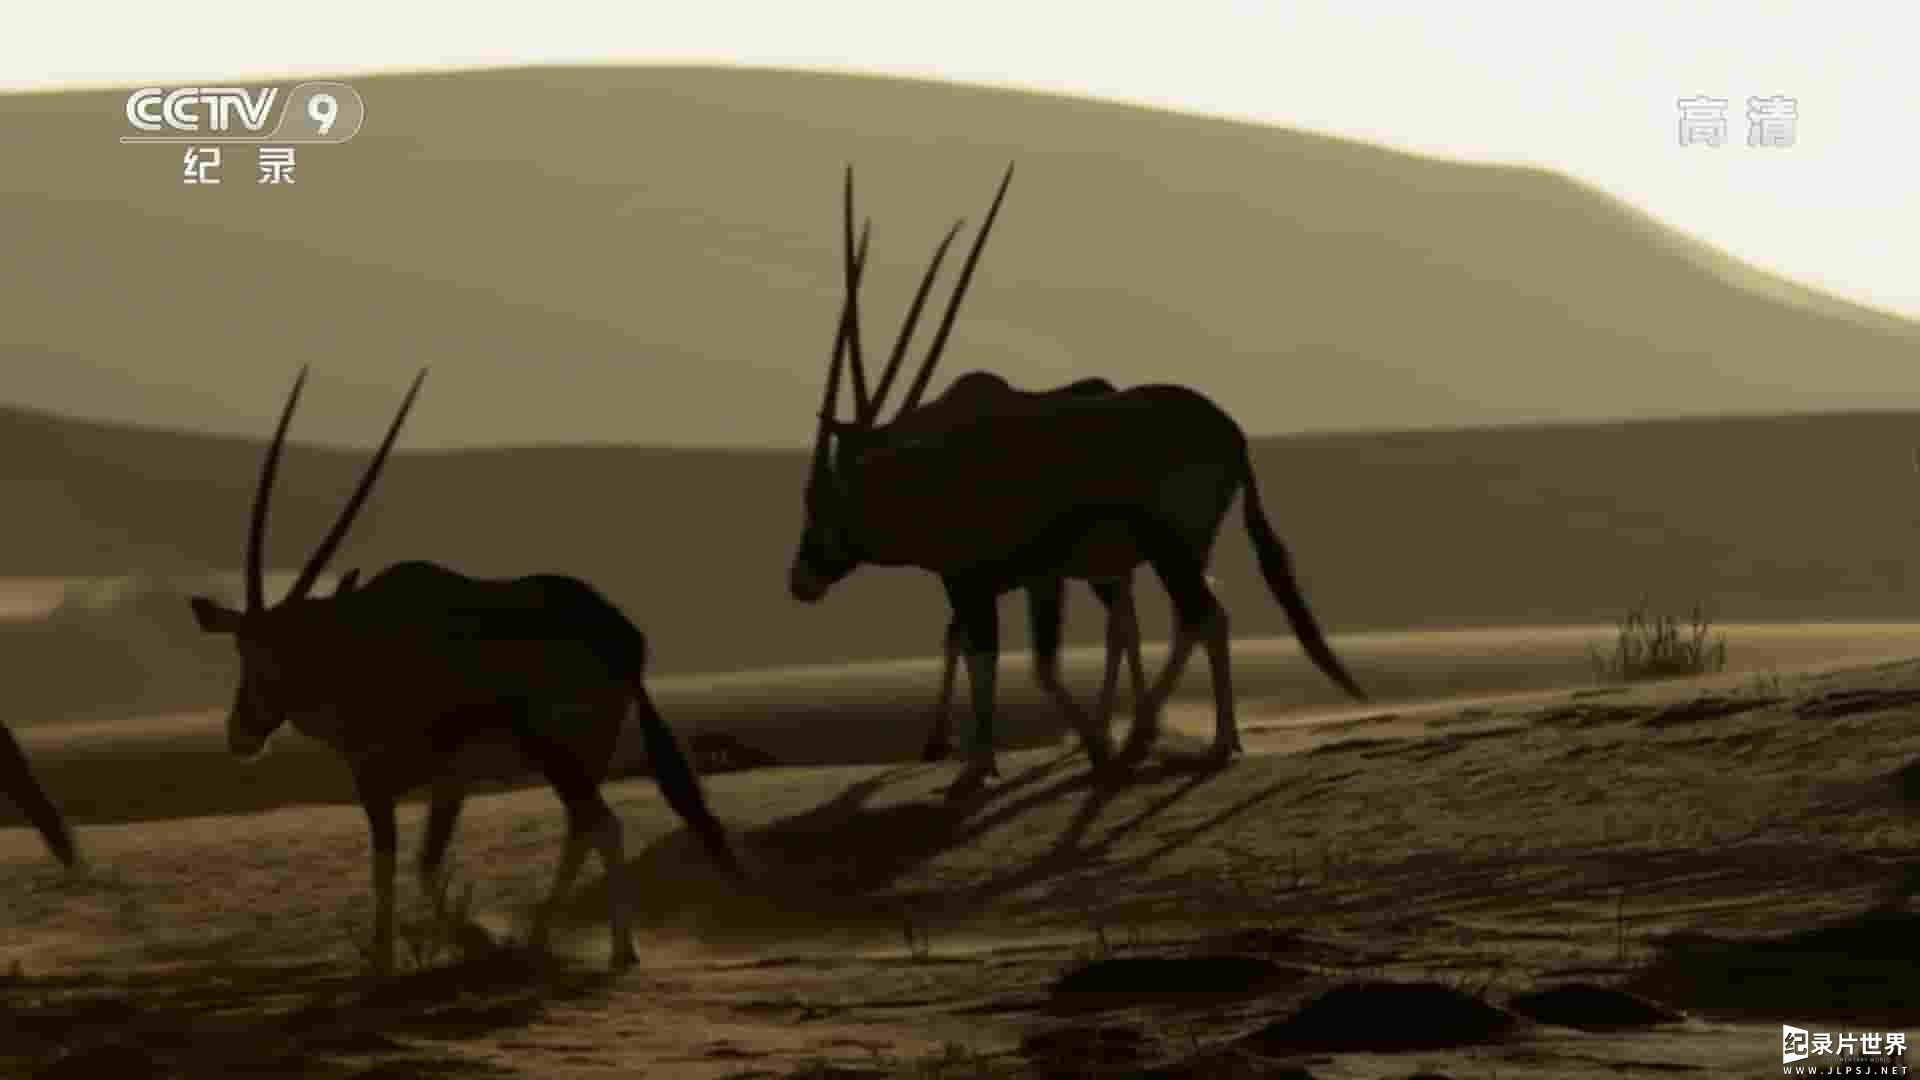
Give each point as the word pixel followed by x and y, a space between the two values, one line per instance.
pixel 1501 826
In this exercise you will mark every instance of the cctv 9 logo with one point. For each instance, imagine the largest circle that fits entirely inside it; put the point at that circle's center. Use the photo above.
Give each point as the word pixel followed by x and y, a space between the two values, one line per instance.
pixel 312 112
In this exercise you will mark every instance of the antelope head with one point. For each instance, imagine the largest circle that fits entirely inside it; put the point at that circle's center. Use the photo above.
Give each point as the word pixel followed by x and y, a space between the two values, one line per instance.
pixel 829 541
pixel 275 643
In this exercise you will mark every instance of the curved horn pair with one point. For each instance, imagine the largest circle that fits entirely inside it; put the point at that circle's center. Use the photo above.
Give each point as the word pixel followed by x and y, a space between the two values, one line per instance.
pixel 867 407
pixel 263 496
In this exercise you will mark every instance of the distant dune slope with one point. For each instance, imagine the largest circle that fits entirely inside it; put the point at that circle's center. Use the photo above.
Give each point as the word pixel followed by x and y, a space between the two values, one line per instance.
pixel 646 255
pixel 1802 517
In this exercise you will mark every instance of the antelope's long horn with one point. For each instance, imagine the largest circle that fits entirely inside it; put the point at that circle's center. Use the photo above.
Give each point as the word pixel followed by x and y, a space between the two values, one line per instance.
pixel 920 381
pixel 318 562
pixel 912 322
pixel 263 498
pixel 830 402
pixel 862 404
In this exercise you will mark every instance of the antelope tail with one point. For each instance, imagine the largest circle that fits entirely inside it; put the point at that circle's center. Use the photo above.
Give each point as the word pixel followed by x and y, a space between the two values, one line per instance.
pixel 681 785
pixel 1277 567
pixel 18 782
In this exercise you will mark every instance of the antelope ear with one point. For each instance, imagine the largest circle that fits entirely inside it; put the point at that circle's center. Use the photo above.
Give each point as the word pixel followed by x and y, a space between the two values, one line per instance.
pixel 214 618
pixel 349 581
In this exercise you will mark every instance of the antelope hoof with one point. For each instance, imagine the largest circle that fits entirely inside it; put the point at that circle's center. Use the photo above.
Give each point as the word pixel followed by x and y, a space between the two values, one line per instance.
pixel 1222 753
pixel 971 781
pixel 1138 747
pixel 538 936
pixel 1099 752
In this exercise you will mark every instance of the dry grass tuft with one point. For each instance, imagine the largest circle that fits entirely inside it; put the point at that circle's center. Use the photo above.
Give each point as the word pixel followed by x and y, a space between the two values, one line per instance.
pixel 1649 646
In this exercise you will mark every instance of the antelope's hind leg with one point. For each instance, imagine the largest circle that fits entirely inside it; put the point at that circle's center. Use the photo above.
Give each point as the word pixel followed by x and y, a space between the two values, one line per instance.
pixel 1212 632
pixel 610 836
pixel 18 781
pixel 574 768
pixel 1216 636
pixel 1199 619
pixel 1129 631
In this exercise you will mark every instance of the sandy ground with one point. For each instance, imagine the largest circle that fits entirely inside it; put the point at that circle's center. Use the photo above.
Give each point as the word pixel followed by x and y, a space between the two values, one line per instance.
pixel 1492 825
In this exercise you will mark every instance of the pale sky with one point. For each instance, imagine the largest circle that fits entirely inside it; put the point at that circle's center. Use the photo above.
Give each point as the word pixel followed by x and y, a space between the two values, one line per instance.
pixel 1589 90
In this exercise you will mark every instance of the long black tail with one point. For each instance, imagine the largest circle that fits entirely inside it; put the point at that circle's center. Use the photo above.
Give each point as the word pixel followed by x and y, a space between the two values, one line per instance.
pixel 681 785
pixel 1277 567
pixel 18 782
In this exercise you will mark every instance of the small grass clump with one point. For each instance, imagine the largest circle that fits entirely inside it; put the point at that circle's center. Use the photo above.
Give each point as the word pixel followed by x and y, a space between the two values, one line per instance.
pixel 1647 646
pixel 437 934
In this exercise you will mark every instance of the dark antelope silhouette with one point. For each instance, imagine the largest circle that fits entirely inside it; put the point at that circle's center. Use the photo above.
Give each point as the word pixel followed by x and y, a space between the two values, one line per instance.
pixel 425 676
pixel 970 395
pixel 1080 486
pixel 20 785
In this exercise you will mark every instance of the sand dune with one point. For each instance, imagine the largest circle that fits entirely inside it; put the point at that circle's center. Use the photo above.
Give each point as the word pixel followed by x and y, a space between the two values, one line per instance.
pixel 691 248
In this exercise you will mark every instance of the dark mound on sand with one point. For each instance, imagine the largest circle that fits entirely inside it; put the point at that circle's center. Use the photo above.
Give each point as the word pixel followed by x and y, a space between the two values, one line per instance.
pixel 1593 1008
pixel 1906 781
pixel 502 968
pixel 833 1072
pixel 1385 1017
pixel 63 1023
pixel 426 1068
pixel 1591 714
pixel 121 1059
pixel 718 752
pixel 1120 981
pixel 1104 1049
pixel 1706 707
pixel 1225 1064
pixel 1835 704
pixel 1867 967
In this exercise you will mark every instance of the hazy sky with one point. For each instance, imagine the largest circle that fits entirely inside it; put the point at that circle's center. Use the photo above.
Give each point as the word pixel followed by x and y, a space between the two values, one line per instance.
pixel 1589 90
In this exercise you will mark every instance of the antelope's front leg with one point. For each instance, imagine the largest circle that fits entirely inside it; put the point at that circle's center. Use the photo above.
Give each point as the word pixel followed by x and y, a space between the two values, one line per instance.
pixel 978 613
pixel 377 801
pixel 1123 643
pixel 940 739
pixel 1046 607
pixel 449 795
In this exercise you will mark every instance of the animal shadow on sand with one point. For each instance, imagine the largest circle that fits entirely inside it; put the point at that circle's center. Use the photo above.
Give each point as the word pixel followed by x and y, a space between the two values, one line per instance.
pixel 208 1017
pixel 1862 969
pixel 836 865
